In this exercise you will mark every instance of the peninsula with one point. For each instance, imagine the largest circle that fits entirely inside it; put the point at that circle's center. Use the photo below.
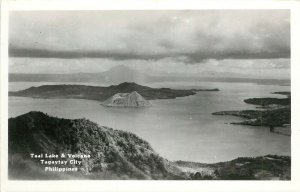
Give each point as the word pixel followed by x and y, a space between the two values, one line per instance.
pixel 274 113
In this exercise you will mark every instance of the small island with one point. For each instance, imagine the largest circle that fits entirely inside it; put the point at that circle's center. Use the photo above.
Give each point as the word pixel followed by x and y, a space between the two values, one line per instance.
pixel 274 113
pixel 102 93
pixel 133 99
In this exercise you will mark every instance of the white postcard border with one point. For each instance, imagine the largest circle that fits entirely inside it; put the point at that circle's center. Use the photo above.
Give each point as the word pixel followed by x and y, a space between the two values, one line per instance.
pixel 138 186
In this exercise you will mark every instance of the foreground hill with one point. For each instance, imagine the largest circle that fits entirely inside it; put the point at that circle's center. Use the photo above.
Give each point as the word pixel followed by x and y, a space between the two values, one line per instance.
pixel 102 93
pixel 114 154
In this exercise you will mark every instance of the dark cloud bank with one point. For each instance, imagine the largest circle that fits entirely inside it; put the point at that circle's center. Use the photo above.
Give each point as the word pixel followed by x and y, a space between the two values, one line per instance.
pixel 195 57
pixel 226 40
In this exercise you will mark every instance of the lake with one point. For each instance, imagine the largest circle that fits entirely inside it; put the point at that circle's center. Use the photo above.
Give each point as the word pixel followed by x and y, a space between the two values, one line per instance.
pixel 178 129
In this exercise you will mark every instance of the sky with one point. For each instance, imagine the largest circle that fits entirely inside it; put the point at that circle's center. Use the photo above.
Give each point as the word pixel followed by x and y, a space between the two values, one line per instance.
pixel 252 42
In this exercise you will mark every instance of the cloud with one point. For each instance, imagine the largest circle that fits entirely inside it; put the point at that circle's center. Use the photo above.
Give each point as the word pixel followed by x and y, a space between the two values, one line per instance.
pixel 188 36
pixel 114 55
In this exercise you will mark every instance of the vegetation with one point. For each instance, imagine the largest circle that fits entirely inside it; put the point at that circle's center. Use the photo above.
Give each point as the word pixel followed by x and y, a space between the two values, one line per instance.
pixel 268 101
pixel 112 151
pixel 266 167
pixel 242 168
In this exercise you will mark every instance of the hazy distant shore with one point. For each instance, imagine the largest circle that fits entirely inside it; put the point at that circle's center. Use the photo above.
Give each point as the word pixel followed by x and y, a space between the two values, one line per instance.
pixel 116 76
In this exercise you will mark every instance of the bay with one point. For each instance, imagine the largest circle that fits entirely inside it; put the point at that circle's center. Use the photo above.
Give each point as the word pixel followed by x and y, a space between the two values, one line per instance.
pixel 178 129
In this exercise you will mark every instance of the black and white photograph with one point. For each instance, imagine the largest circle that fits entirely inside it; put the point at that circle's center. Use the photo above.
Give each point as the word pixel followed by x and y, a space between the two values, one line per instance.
pixel 149 95
pixel 188 95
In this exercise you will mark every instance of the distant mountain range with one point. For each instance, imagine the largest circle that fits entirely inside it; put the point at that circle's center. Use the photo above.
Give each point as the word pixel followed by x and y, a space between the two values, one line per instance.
pixel 115 154
pixel 115 75
pixel 121 73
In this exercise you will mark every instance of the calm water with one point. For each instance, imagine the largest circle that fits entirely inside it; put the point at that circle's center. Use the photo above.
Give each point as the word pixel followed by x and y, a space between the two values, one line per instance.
pixel 178 129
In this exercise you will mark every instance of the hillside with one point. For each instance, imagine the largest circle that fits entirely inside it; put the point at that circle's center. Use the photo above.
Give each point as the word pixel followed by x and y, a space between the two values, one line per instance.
pixel 101 93
pixel 269 167
pixel 117 154
pixel 114 154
